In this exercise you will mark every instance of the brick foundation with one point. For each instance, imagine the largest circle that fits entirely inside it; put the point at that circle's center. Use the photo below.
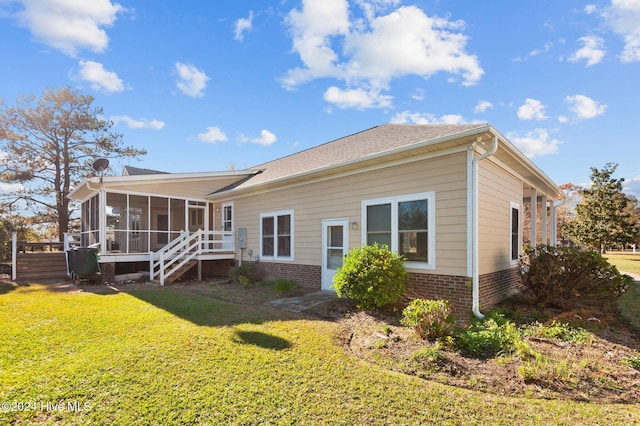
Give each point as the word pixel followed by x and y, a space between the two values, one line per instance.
pixel 308 276
pixel 497 286
pixel 455 289
pixel 494 287
pixel 108 273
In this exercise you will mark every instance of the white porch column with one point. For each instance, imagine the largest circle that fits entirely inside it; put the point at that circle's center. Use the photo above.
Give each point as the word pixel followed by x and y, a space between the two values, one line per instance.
pixel 534 215
pixel 554 225
pixel 14 255
pixel 102 219
pixel 543 205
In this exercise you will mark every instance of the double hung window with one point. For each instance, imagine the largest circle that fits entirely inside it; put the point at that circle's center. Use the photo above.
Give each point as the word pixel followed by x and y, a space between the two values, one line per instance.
pixel 405 224
pixel 276 235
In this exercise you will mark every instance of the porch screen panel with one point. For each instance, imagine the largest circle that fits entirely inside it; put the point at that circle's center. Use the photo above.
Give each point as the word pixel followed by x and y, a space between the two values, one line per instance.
pixel 117 220
pixel 177 218
pixel 90 222
pixel 138 218
pixel 159 222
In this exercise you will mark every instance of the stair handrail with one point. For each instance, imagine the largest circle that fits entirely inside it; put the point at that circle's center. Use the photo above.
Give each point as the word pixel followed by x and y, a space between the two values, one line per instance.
pixel 173 256
pixel 157 259
pixel 181 250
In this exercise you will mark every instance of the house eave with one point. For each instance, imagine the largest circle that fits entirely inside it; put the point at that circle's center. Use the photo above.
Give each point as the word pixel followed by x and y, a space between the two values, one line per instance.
pixel 91 185
pixel 361 160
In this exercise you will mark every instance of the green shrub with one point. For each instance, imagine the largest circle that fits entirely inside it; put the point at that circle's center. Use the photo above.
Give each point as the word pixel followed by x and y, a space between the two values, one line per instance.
pixel 492 337
pixel 561 331
pixel 633 361
pixel 427 355
pixel 246 274
pixel 561 275
pixel 371 275
pixel 283 285
pixel 430 319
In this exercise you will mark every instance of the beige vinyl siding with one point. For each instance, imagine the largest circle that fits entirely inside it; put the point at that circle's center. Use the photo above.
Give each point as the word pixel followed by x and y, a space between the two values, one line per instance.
pixel 496 190
pixel 341 197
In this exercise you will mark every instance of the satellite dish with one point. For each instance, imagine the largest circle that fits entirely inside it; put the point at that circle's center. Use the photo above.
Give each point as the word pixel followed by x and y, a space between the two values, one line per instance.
pixel 100 164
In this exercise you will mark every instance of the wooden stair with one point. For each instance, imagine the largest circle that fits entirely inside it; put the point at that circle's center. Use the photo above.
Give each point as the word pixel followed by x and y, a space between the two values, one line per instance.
pixel 178 273
pixel 41 265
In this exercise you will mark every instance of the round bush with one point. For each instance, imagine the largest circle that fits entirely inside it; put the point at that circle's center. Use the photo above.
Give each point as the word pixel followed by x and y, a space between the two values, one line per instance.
pixel 560 276
pixel 430 319
pixel 371 275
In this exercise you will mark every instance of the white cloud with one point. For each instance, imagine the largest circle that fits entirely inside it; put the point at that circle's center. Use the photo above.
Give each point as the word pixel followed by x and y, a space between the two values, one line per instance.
pixel 563 119
pixel 357 98
pixel 243 25
pixel 407 117
pixel 266 138
pixel 212 135
pixel 99 78
pixel 535 143
pixel 418 94
pixel 483 106
pixel 593 50
pixel 69 26
pixel 370 55
pixel 623 17
pixel 584 107
pixel 141 123
pixel 547 47
pixel 632 186
pixel 191 81
pixel 590 9
pixel 532 109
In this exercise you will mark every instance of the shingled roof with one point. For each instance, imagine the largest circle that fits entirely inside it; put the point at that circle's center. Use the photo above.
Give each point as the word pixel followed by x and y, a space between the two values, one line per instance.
pixel 375 141
pixel 137 171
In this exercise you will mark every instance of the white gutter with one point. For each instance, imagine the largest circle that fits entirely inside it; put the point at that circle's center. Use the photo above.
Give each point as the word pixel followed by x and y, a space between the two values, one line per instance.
pixel 475 247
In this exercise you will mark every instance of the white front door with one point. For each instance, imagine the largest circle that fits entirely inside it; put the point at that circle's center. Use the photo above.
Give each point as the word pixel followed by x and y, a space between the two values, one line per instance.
pixel 335 243
pixel 227 225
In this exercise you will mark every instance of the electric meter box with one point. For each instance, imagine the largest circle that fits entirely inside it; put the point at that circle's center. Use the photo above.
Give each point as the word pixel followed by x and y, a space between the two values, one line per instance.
pixel 242 238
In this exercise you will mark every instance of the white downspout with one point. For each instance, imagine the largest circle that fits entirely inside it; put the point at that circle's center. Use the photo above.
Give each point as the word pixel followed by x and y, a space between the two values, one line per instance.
pixel 475 247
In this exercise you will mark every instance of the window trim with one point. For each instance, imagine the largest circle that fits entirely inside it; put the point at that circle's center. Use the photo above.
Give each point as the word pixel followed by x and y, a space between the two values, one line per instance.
pixel 515 206
pixel 430 196
pixel 275 216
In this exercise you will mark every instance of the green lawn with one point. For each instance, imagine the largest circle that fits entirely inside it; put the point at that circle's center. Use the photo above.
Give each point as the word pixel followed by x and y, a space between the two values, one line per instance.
pixel 164 356
pixel 626 262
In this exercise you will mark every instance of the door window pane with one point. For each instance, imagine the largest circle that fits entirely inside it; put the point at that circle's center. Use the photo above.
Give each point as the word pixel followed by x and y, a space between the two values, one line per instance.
pixel 335 236
pixel 334 258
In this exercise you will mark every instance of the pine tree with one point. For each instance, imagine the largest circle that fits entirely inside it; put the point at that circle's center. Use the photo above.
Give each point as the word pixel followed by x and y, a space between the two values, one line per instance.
pixel 602 217
pixel 47 144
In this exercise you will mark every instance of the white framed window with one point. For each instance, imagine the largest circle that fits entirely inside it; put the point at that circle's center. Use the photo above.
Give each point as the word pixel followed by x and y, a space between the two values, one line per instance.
pixel 276 235
pixel 514 228
pixel 405 223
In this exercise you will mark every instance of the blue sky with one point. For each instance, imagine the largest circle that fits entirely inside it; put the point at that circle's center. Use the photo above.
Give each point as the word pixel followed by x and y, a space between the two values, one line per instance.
pixel 210 85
